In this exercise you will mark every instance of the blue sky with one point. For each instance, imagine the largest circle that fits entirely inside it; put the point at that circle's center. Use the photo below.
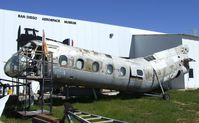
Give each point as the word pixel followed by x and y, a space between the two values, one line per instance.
pixel 170 16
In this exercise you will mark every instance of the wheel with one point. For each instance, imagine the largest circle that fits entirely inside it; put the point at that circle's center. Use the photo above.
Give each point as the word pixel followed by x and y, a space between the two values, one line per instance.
pixel 166 97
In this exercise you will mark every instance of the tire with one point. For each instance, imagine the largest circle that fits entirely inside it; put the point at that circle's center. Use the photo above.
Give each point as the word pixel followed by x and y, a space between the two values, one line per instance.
pixel 166 97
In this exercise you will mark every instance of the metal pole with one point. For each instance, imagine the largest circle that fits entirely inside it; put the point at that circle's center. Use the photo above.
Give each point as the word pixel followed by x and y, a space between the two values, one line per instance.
pixel 43 79
pixel 29 89
pixel 17 86
pixel 51 81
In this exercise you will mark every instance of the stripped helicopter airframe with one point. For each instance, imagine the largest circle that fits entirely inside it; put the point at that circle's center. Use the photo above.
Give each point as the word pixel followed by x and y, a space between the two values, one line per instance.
pixel 77 66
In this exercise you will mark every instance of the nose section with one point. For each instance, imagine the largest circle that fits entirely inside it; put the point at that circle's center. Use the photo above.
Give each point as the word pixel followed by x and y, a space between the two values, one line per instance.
pixel 15 66
pixel 11 67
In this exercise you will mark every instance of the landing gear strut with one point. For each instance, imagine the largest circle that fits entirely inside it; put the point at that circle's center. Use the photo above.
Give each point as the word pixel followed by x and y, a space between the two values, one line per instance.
pixel 163 95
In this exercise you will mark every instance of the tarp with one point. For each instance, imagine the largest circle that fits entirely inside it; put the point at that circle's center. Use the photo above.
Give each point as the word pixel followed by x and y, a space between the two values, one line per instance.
pixel 3 103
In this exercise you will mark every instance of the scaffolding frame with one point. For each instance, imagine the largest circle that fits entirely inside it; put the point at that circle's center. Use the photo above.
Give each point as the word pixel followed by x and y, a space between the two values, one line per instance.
pixel 44 75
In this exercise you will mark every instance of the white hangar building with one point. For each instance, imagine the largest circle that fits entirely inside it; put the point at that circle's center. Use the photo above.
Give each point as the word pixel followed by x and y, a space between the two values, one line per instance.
pixel 110 39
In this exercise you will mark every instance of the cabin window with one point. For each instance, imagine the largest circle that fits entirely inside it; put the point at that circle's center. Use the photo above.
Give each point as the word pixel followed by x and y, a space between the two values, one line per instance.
pixel 63 60
pixel 79 64
pixel 191 73
pixel 95 67
pixel 122 71
pixel 139 72
pixel 109 69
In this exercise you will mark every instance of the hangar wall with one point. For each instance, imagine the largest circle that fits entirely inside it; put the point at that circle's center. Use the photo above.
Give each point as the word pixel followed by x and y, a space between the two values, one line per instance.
pixel 192 81
pixel 143 45
pixel 109 39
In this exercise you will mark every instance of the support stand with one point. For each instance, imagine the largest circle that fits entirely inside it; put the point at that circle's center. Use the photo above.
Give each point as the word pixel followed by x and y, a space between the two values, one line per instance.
pixel 45 76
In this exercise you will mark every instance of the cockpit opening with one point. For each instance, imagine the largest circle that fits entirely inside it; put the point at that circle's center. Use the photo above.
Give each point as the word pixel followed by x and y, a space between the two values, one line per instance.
pixel 27 60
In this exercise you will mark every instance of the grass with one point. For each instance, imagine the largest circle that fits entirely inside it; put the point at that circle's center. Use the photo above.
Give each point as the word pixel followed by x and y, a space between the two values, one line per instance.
pixel 182 108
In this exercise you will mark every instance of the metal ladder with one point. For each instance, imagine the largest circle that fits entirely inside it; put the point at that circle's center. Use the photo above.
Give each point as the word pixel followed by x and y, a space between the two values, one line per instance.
pixel 84 117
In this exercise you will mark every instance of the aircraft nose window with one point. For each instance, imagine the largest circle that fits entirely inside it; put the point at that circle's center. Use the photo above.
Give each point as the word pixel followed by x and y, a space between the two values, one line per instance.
pixel 109 69
pixel 79 64
pixel 63 60
pixel 12 66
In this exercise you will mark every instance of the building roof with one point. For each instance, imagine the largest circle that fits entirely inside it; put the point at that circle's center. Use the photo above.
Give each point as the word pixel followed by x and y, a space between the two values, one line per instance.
pixel 185 36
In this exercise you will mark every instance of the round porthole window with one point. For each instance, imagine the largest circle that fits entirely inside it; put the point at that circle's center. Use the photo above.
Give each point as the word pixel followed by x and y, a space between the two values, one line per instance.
pixel 95 66
pixel 79 64
pixel 109 69
pixel 63 60
pixel 122 71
